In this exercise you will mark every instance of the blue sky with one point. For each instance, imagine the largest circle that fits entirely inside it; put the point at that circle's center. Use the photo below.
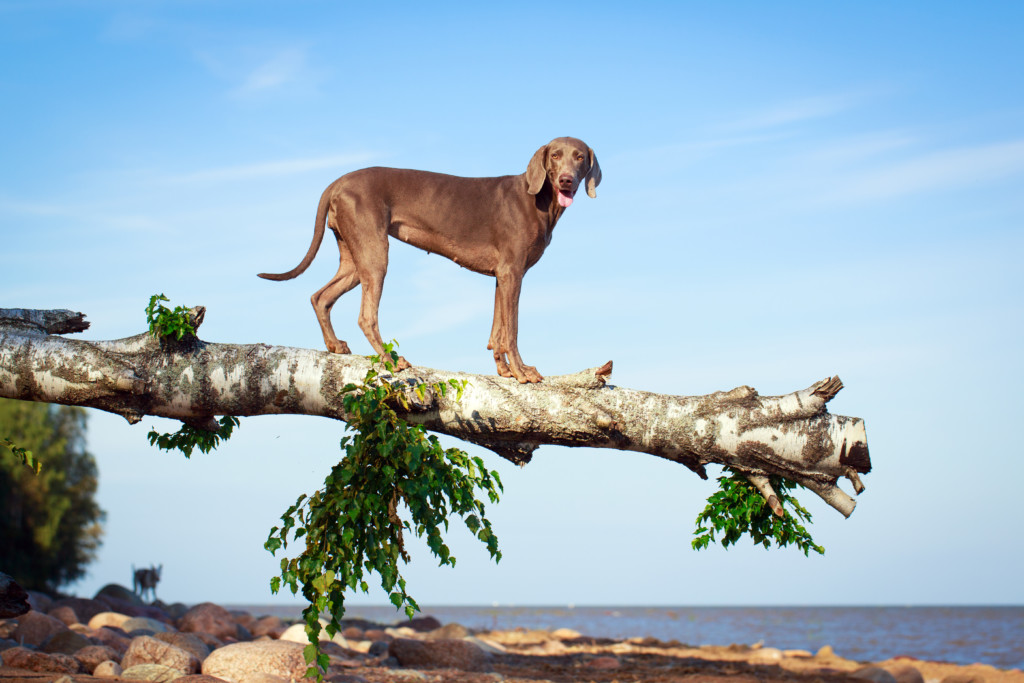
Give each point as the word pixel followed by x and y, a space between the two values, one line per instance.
pixel 790 192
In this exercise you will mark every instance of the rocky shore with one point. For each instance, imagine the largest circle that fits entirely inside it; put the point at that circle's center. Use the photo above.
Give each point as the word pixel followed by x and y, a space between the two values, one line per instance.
pixel 114 637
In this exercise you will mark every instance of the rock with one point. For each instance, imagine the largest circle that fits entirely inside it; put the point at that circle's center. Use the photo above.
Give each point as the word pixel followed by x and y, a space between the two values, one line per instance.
pixel 65 643
pixel 107 669
pixel 377 634
pixel 441 654
pixel 40 602
pixel 144 624
pixel 108 619
pixel 13 599
pixel 152 672
pixel 114 639
pixel 826 652
pixel 23 658
pixel 146 650
pixel 605 662
pixel 296 633
pixel 35 628
pixel 84 609
pixel 263 678
pixel 422 624
pixel 797 654
pixel 874 674
pixel 766 655
pixel 904 673
pixel 199 678
pixel 92 656
pixel 118 592
pixel 487 645
pixel 278 657
pixel 964 678
pixel 378 648
pixel 268 626
pixel 64 614
pixel 209 618
pixel 189 642
pixel 565 634
pixel 448 632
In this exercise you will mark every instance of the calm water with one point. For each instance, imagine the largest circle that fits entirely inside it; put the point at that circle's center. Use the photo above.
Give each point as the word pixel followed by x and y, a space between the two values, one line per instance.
pixel 964 635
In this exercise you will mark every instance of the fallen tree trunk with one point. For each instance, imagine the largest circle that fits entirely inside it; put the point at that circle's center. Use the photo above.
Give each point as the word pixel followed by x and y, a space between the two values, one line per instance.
pixel 191 380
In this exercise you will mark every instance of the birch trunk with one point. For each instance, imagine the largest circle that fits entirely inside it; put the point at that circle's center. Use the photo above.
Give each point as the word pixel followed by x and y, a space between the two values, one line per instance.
pixel 792 435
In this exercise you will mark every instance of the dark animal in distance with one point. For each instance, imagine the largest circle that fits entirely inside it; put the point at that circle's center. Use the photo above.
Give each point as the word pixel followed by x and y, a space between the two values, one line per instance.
pixel 494 226
pixel 144 580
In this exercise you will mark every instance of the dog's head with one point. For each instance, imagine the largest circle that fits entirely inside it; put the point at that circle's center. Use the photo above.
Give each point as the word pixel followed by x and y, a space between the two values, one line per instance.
pixel 565 162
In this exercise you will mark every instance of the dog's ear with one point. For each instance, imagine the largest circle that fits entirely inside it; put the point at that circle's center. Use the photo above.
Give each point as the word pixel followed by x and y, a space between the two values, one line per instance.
pixel 593 175
pixel 537 170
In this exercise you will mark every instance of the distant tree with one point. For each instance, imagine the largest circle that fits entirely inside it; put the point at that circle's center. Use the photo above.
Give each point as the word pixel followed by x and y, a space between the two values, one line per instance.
pixel 50 523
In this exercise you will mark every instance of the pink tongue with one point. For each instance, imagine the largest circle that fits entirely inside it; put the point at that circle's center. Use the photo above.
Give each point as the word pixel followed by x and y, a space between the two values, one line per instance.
pixel 564 200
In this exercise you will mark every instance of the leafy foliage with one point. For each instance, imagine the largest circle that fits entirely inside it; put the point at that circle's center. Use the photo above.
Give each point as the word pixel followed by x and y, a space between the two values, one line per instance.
pixel 738 508
pixel 163 322
pixel 351 526
pixel 50 523
pixel 188 438
pixel 22 454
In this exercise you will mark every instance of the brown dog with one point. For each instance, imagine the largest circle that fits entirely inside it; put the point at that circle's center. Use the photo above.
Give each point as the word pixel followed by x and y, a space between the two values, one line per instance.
pixel 495 226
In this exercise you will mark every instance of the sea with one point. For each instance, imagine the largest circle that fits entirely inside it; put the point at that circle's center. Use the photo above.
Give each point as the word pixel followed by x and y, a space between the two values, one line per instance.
pixel 960 635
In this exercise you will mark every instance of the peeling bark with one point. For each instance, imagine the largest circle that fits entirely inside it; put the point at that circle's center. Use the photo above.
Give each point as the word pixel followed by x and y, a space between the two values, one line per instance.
pixel 793 435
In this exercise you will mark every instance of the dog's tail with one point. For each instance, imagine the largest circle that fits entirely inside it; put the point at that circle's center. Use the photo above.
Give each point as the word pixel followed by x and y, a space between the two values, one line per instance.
pixel 318 238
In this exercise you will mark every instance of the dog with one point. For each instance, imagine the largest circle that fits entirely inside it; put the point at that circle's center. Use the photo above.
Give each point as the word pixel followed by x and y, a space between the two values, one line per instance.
pixel 144 580
pixel 494 226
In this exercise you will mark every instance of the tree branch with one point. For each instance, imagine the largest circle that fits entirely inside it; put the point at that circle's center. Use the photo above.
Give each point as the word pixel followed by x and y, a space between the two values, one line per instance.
pixel 792 435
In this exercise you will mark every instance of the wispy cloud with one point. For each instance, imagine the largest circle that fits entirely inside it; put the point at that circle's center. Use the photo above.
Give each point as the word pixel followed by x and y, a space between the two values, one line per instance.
pixel 284 68
pixel 941 170
pixel 796 111
pixel 272 168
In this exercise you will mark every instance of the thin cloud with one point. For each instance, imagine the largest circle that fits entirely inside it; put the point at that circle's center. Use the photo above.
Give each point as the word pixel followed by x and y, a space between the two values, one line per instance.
pixel 272 168
pixel 796 111
pixel 941 170
pixel 283 69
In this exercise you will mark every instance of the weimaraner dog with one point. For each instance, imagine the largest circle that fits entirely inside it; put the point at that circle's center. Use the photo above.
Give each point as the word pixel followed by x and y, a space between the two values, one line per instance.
pixel 495 226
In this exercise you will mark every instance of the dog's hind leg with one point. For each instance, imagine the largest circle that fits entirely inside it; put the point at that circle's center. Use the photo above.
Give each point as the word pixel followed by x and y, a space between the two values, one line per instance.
pixel 323 300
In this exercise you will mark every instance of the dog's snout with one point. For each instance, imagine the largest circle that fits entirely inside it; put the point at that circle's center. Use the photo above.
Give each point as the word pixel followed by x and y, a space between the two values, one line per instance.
pixel 565 181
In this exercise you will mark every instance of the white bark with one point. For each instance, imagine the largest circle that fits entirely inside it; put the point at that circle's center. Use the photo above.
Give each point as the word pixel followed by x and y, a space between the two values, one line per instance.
pixel 793 435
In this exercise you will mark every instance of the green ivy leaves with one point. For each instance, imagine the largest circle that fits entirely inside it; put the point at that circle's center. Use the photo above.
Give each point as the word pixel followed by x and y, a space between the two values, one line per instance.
pixel 351 527
pixel 163 322
pixel 187 438
pixel 22 454
pixel 738 508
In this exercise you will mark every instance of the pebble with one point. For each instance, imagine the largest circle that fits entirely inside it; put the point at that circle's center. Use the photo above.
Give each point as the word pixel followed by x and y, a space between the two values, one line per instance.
pixel 107 669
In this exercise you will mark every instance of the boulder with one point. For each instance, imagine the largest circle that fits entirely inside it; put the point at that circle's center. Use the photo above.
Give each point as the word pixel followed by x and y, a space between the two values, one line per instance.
pixel 263 678
pixel 118 592
pixel 268 626
pixel 604 662
pixel 146 650
pixel 40 602
pixel 92 656
pixel 64 614
pixel 278 657
pixel 144 624
pixel 115 639
pixel 765 655
pixel 107 669
pixel 35 628
pixel 422 624
pixel 296 633
pixel 200 678
pixel 189 642
pixel 23 658
pixel 875 674
pixel 65 643
pixel 440 654
pixel 108 619
pixel 84 609
pixel 152 672
pixel 964 677
pixel 13 598
pixel 451 631
pixel 905 673
pixel 209 618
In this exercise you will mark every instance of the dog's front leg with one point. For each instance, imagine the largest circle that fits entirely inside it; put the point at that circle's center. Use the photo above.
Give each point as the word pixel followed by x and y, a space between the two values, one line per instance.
pixel 505 330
